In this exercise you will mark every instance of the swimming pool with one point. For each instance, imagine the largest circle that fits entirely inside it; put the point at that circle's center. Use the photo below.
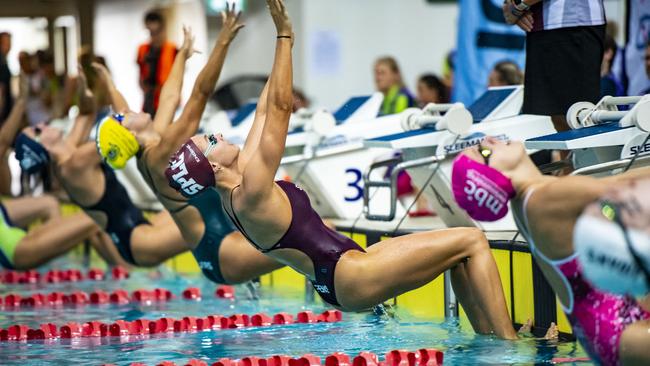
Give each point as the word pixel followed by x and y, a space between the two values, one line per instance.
pixel 357 332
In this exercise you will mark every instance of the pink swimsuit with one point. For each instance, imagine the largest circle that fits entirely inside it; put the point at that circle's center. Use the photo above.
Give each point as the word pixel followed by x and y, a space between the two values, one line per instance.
pixel 598 318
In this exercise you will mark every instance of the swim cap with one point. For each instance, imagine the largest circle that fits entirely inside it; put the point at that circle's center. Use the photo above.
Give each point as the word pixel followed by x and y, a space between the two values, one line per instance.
pixel 480 190
pixel 612 240
pixel 115 143
pixel 31 154
pixel 189 170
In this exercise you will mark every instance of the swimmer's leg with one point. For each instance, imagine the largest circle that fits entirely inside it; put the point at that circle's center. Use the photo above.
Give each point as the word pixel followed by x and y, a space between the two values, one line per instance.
pixel 5 176
pixel 104 246
pixel 401 264
pixel 467 297
pixel 634 344
pixel 53 238
pixel 155 243
pixel 240 262
pixel 25 210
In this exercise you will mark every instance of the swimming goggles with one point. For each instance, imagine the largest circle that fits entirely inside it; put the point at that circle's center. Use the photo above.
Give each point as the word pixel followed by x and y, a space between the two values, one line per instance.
pixel 612 212
pixel 485 153
pixel 212 143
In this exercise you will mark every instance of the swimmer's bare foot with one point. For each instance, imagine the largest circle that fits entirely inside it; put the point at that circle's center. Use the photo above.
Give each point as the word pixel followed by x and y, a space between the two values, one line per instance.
pixel 526 328
pixel 552 334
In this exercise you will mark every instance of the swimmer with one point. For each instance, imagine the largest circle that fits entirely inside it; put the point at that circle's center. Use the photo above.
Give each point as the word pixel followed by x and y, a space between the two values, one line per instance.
pixel 223 253
pixel 614 329
pixel 277 218
pixel 91 184
pixel 21 249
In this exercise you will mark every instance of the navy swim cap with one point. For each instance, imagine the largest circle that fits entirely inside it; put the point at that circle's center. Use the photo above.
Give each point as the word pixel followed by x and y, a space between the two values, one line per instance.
pixel 31 154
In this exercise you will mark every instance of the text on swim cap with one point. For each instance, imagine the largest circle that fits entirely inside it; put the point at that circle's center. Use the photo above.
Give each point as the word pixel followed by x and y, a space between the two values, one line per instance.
pixel 189 186
pixel 482 190
pixel 613 263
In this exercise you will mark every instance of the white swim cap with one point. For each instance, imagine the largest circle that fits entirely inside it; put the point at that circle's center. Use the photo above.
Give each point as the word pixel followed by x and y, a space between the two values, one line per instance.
pixel 612 239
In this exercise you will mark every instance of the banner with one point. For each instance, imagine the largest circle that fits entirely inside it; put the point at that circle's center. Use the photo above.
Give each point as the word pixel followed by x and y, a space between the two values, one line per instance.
pixel 637 39
pixel 484 39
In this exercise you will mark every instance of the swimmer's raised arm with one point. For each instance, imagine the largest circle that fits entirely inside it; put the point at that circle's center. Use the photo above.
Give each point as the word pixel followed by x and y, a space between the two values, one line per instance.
pixel 637 173
pixel 188 123
pixel 12 124
pixel 565 198
pixel 253 138
pixel 118 102
pixel 87 111
pixel 258 180
pixel 170 94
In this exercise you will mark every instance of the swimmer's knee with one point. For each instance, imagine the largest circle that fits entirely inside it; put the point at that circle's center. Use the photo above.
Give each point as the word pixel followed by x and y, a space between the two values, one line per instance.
pixel 148 260
pixel 51 206
pixel 360 301
pixel 472 240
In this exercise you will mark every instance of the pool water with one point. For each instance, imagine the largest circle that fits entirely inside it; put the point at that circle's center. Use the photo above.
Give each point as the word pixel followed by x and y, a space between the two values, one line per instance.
pixel 357 332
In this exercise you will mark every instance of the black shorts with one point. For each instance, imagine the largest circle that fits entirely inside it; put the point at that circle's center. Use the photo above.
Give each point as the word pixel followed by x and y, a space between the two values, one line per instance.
pixel 562 67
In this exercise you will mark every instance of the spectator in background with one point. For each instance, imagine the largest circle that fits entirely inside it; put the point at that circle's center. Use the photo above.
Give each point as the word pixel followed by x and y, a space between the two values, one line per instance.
pixel 431 89
pixel 448 68
pixel 609 83
pixel 505 73
pixel 388 80
pixel 564 50
pixel 6 99
pixel 300 100
pixel 155 59
pixel 53 85
pixel 37 112
pixel 647 65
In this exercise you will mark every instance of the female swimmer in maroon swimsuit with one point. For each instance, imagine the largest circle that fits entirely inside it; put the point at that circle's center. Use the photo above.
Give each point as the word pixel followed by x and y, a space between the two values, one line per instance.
pixel 278 219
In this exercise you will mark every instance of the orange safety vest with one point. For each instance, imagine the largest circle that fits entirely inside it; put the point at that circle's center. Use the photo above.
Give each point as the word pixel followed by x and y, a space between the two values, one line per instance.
pixel 165 62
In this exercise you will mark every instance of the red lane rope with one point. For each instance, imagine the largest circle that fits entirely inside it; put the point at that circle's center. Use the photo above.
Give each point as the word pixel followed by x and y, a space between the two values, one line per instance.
pixel 143 327
pixel 58 275
pixel 14 301
pixel 421 357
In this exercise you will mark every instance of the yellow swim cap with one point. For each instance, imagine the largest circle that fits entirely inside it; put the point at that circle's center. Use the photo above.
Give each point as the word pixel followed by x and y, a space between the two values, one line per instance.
pixel 115 143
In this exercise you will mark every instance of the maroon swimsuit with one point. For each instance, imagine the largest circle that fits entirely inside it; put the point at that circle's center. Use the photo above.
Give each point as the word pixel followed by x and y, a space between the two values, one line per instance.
pixel 308 234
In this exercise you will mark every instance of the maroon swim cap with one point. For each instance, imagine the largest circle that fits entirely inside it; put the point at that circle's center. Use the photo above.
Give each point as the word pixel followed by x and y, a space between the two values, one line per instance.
pixel 189 170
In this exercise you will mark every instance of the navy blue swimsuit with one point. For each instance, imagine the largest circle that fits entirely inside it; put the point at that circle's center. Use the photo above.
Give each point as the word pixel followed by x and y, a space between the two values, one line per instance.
pixel 123 216
pixel 308 234
pixel 217 227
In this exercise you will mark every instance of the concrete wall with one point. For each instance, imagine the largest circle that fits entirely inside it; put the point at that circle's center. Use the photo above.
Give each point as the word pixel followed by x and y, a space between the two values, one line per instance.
pixel 337 41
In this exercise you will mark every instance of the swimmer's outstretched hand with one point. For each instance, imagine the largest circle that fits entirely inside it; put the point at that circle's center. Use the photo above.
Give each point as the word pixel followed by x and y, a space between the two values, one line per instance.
pixel 86 99
pixel 23 86
pixel 280 18
pixel 187 48
pixel 101 71
pixel 230 24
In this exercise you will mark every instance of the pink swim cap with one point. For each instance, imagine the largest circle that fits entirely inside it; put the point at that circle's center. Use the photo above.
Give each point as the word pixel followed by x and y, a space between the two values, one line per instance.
pixel 189 170
pixel 480 190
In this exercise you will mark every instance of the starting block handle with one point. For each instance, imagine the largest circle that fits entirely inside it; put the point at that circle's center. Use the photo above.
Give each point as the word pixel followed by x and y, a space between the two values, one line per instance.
pixel 385 183
pixel 392 184
pixel 613 101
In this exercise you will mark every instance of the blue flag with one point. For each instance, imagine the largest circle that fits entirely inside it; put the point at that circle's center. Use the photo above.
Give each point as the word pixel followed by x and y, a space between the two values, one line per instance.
pixel 484 39
pixel 638 37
